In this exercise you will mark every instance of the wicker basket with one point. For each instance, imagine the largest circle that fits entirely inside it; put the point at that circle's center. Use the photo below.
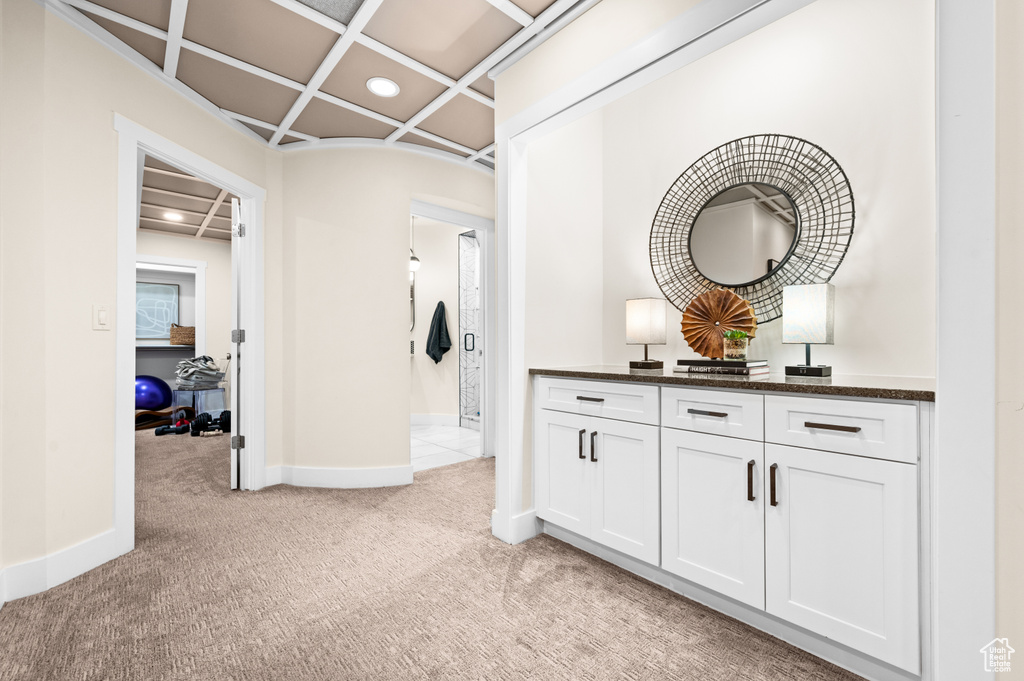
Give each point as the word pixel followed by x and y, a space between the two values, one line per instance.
pixel 183 335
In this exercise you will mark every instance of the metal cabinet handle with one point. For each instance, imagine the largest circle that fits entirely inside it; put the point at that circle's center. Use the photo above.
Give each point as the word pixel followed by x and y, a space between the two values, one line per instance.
pixel 701 412
pixel 775 502
pixel 750 480
pixel 465 342
pixel 583 432
pixel 829 426
pixel 584 398
pixel 593 446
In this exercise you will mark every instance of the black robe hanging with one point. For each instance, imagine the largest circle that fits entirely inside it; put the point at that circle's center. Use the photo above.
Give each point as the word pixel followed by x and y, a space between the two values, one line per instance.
pixel 438 341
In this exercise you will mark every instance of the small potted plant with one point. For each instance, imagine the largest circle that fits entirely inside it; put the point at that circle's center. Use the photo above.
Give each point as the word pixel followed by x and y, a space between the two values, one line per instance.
pixel 734 344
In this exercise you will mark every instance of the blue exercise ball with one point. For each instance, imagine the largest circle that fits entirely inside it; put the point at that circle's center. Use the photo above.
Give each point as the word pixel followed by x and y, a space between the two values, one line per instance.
pixel 152 393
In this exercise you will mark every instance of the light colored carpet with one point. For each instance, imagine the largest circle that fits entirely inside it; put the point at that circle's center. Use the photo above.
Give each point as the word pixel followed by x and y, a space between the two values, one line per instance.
pixel 398 583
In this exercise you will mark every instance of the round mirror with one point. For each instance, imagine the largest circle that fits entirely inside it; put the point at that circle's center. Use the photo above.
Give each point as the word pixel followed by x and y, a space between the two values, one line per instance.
pixel 814 191
pixel 743 234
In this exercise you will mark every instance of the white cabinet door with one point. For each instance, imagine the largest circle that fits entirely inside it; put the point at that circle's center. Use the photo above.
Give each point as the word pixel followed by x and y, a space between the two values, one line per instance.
pixel 712 531
pixel 841 550
pixel 625 502
pixel 563 472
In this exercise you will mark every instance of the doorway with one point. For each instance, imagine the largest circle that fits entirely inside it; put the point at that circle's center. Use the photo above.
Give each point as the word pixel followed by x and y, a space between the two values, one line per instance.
pixel 449 406
pixel 184 265
pixel 135 144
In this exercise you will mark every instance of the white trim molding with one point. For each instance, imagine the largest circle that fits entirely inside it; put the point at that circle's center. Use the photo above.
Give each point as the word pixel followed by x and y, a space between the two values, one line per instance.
pixel 963 473
pixel 516 529
pixel 36 576
pixel 340 478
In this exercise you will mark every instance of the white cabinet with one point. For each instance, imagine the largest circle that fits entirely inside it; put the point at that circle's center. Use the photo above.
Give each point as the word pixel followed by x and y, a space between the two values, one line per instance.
pixel 802 507
pixel 841 549
pixel 598 478
pixel 712 513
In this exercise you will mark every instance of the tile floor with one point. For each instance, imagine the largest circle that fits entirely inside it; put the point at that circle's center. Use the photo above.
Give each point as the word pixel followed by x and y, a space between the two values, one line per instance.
pixel 434 446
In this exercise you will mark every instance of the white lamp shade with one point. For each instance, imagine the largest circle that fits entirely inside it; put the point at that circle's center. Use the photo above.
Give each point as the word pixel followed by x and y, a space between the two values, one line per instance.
pixel 645 321
pixel 807 313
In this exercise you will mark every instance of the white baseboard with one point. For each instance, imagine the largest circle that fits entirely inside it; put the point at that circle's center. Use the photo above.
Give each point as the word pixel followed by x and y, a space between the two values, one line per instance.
pixel 519 528
pixel 339 478
pixel 836 653
pixel 434 420
pixel 40 574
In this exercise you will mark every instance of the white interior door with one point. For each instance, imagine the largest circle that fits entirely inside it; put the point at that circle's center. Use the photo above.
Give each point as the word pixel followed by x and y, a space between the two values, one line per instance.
pixel 236 364
pixel 563 476
pixel 713 522
pixel 841 549
pixel 625 503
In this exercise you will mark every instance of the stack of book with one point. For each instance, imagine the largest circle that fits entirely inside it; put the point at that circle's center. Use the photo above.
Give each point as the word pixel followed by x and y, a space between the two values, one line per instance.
pixel 729 367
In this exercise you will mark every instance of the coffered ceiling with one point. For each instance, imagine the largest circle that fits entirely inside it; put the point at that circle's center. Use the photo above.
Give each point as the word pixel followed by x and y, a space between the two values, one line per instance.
pixel 177 203
pixel 294 73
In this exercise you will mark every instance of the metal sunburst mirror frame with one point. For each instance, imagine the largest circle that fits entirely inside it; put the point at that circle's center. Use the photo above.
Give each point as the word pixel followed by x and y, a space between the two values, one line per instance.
pixel 806 173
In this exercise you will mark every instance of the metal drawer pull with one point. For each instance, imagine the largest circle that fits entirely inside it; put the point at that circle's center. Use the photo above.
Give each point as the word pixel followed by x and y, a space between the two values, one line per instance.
pixel 701 412
pixel 829 426
pixel 582 433
pixel 583 398
pixel 775 502
pixel 593 446
pixel 750 480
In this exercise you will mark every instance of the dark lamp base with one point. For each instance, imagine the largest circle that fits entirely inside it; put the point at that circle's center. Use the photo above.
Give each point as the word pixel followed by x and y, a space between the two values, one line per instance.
pixel 804 370
pixel 647 364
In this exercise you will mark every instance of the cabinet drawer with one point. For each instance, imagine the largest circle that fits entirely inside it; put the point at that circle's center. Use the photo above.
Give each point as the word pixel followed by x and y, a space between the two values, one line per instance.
pixel 713 411
pixel 878 430
pixel 622 401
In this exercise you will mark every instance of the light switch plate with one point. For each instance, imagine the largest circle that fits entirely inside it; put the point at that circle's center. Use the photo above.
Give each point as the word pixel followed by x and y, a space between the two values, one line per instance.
pixel 101 318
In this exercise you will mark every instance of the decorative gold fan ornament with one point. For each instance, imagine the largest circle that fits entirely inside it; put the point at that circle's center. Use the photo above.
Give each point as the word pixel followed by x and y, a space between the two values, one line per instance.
pixel 710 314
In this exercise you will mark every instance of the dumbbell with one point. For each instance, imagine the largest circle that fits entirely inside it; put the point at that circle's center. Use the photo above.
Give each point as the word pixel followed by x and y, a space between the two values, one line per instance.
pixel 205 423
pixel 176 430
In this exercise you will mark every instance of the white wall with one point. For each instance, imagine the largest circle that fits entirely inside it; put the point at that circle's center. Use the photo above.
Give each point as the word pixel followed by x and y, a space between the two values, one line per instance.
pixel 346 298
pixel 564 252
pixel 435 387
pixel 1009 322
pixel 601 32
pixel 22 308
pixel 876 120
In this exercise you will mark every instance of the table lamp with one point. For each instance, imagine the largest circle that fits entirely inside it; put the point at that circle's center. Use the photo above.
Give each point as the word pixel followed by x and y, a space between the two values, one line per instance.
pixel 807 316
pixel 645 325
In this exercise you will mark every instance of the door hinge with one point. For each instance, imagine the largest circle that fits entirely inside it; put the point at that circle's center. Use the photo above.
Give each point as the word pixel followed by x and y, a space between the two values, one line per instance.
pixel 237 442
pixel 238 336
pixel 241 229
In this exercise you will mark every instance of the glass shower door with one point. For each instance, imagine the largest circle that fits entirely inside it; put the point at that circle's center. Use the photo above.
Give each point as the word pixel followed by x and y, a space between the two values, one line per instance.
pixel 470 343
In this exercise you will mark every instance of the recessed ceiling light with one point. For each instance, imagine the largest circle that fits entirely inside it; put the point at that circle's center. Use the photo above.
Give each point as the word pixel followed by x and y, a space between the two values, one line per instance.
pixel 176 217
pixel 382 87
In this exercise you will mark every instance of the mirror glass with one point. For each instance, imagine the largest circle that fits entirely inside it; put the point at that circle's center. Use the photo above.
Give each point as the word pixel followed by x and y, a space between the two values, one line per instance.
pixel 743 234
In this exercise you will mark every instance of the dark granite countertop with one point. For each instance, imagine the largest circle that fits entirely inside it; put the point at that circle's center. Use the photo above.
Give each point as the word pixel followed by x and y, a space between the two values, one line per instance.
pixel 875 387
